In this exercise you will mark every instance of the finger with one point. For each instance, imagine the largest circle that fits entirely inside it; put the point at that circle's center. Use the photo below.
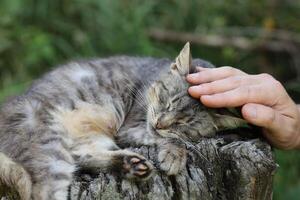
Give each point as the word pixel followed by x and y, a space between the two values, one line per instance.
pixel 213 74
pixel 224 85
pixel 199 68
pixel 240 96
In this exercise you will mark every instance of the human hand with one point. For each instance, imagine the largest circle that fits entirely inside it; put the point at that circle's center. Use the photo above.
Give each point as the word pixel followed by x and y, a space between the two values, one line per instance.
pixel 264 101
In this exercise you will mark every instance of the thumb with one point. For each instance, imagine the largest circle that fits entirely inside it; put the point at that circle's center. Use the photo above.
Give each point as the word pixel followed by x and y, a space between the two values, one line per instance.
pixel 278 128
pixel 261 115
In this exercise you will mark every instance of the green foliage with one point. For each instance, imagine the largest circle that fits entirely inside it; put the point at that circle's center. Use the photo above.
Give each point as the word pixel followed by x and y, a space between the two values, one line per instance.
pixel 287 181
pixel 36 35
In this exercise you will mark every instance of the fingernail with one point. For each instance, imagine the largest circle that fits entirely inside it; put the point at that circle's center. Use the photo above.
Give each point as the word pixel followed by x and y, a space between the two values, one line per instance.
pixel 188 77
pixel 195 89
pixel 191 76
pixel 252 113
pixel 191 89
pixel 199 68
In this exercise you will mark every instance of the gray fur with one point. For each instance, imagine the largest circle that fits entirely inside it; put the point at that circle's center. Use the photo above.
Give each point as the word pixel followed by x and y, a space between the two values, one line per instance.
pixel 115 92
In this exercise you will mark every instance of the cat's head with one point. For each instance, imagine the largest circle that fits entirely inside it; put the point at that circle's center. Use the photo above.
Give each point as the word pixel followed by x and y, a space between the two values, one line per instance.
pixel 172 112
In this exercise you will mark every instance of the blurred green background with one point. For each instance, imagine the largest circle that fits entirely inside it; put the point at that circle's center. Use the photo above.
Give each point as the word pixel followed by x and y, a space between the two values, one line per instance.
pixel 256 36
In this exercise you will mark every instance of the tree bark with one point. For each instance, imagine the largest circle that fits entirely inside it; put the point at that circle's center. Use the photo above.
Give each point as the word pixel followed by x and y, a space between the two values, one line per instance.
pixel 216 169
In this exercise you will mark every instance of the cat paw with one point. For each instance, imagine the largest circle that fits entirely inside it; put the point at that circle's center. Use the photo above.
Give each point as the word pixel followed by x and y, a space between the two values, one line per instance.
pixel 136 167
pixel 172 159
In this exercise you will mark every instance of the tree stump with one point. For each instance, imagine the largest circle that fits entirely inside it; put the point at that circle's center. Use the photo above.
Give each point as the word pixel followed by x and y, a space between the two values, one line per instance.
pixel 216 169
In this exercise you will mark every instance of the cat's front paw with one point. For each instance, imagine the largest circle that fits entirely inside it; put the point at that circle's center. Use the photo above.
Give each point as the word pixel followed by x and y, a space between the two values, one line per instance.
pixel 136 167
pixel 172 158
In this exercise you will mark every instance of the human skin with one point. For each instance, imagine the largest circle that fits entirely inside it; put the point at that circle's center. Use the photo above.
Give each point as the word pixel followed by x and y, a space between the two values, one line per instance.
pixel 264 101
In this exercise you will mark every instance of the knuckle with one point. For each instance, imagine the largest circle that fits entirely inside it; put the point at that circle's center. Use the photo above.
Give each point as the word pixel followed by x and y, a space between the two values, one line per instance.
pixel 238 96
pixel 208 87
pixel 223 98
pixel 236 80
pixel 247 92
pixel 270 118
pixel 277 85
pixel 272 81
pixel 233 71
pixel 266 76
pixel 229 69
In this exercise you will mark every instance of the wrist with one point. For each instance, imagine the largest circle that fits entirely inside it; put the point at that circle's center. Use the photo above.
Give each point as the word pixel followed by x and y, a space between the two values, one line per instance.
pixel 297 140
pixel 292 132
pixel 298 131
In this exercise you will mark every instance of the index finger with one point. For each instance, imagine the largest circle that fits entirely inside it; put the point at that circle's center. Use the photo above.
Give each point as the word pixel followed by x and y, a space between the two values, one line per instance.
pixel 213 74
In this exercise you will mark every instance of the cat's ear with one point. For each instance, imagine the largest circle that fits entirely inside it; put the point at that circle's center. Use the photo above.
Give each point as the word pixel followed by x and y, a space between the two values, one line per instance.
pixel 183 61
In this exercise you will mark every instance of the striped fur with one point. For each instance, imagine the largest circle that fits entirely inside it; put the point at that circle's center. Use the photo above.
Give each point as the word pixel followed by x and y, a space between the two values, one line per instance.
pixel 68 120
pixel 78 116
pixel 12 173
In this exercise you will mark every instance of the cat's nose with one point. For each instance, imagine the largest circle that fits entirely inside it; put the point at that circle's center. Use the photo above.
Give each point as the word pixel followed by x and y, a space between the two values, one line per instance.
pixel 159 125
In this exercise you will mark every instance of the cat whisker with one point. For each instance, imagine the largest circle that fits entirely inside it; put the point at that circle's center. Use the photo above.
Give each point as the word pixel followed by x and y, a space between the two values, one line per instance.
pixel 138 97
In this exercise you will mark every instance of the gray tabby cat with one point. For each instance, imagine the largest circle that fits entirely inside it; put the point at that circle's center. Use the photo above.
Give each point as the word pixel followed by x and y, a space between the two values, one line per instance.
pixel 74 116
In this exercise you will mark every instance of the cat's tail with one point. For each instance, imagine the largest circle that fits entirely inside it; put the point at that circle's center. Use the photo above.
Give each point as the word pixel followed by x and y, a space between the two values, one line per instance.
pixel 15 176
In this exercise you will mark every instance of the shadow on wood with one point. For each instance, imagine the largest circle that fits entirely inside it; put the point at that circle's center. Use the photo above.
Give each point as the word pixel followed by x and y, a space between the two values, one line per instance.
pixel 215 170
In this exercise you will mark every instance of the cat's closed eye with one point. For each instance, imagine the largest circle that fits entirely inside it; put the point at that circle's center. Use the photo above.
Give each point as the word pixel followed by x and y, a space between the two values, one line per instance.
pixel 168 107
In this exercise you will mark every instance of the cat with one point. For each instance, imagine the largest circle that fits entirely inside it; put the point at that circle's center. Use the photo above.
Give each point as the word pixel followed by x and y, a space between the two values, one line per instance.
pixel 74 116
